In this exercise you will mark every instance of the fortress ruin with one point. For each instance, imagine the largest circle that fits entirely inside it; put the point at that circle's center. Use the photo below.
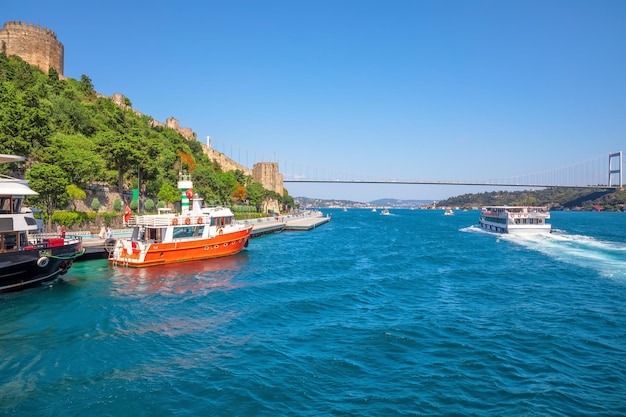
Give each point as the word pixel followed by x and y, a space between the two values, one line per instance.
pixel 36 45
pixel 39 46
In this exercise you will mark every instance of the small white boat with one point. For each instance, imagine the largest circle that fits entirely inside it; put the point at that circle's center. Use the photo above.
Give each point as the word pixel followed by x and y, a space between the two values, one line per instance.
pixel 385 212
pixel 448 212
pixel 515 219
pixel 374 210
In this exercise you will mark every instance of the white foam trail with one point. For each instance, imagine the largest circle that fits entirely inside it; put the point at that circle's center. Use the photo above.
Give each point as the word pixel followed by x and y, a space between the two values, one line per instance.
pixel 607 258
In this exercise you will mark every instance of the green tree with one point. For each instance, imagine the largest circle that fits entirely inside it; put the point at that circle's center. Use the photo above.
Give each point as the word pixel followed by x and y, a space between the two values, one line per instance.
pixel 256 194
pixel 78 155
pixel 123 151
pixel 169 194
pixel 86 86
pixel 74 194
pixel 50 182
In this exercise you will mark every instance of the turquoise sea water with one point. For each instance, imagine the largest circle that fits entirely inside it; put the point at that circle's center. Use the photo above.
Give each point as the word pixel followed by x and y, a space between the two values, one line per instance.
pixel 415 313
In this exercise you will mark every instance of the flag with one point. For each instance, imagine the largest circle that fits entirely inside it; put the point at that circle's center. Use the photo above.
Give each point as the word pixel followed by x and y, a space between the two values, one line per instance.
pixel 127 214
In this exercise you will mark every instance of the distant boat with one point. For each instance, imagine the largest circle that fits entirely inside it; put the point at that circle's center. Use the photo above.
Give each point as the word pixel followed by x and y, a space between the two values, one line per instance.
pixel 385 212
pixel 448 212
pixel 345 209
pixel 374 210
pixel 515 219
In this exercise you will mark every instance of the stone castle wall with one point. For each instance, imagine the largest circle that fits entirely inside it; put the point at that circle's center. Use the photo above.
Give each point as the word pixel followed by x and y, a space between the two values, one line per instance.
pixel 36 45
pixel 267 174
pixel 225 162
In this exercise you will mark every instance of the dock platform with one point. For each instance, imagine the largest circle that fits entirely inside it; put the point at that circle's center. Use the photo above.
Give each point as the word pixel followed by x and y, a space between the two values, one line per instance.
pixel 306 223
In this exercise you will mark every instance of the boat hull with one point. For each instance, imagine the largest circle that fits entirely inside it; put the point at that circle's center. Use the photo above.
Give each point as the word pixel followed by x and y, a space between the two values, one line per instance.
pixel 499 228
pixel 127 254
pixel 30 268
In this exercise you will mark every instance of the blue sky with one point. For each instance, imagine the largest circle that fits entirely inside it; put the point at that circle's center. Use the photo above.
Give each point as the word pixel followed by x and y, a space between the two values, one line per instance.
pixel 444 90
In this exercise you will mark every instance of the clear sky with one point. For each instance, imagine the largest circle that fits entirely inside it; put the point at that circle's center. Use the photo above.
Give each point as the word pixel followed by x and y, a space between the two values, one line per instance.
pixel 400 89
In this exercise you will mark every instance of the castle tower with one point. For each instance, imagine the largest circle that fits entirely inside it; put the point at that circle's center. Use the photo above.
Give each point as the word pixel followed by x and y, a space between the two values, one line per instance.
pixel 36 45
pixel 267 174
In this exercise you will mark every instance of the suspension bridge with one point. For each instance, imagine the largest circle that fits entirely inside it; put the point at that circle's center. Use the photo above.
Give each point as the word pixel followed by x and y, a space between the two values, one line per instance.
pixel 604 171
pixel 600 172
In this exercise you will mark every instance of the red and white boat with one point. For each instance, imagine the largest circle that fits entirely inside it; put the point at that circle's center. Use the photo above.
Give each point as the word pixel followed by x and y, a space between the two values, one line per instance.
pixel 195 234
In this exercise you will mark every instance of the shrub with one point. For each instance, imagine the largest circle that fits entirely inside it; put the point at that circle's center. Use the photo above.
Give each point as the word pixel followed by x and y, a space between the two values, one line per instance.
pixel 95 204
pixel 149 205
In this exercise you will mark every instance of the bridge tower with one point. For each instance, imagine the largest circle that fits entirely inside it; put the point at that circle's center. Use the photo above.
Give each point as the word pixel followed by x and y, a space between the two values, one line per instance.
pixel 618 170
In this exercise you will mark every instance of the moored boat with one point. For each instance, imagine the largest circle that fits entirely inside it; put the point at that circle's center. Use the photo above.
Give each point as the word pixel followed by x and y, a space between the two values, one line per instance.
pixel 194 234
pixel 28 259
pixel 515 219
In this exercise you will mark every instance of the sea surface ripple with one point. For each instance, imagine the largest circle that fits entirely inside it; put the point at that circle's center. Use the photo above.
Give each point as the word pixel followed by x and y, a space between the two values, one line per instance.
pixel 412 314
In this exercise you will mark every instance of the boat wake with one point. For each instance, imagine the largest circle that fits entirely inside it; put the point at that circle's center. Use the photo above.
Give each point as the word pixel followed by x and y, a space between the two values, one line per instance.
pixel 606 257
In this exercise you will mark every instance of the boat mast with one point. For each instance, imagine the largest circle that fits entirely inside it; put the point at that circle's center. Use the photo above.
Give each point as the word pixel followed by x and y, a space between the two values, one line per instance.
pixel 184 184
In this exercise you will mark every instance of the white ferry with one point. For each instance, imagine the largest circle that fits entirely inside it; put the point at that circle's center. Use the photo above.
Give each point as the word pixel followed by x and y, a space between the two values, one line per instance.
pixel 27 258
pixel 515 219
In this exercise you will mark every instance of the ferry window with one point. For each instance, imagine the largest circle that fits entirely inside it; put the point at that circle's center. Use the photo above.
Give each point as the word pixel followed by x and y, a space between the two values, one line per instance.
pixel 182 232
pixel 9 241
pixel 5 205
pixel 17 203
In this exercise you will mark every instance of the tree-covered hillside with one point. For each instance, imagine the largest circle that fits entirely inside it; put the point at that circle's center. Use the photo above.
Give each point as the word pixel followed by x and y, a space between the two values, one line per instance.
pixel 555 197
pixel 72 136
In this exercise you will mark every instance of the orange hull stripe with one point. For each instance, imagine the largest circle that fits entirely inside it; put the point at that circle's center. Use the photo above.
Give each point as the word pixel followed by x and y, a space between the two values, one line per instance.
pixel 185 251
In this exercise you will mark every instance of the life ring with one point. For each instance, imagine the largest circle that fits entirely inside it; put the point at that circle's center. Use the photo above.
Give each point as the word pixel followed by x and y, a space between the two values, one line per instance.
pixel 187 220
pixel 540 221
pixel 174 222
pixel 199 220
pixel 43 262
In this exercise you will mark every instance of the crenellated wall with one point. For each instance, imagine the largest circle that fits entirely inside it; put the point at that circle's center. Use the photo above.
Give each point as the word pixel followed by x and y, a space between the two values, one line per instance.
pixel 225 162
pixel 36 45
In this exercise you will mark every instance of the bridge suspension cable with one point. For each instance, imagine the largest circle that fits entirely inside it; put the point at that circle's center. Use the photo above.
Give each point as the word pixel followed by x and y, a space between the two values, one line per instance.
pixel 591 173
